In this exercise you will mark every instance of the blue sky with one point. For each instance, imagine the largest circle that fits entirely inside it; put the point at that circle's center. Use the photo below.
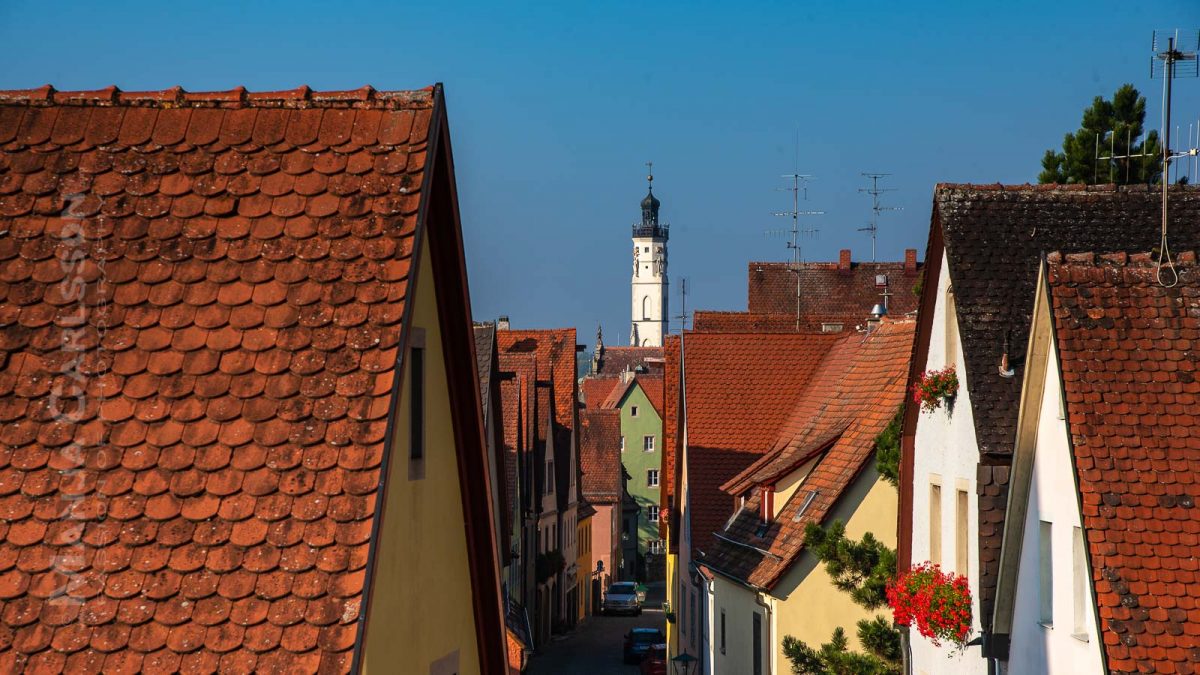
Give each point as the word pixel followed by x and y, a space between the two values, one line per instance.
pixel 555 106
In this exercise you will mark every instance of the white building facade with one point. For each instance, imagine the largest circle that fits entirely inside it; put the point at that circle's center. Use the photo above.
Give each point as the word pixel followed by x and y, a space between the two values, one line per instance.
pixel 649 282
pixel 945 506
pixel 1045 600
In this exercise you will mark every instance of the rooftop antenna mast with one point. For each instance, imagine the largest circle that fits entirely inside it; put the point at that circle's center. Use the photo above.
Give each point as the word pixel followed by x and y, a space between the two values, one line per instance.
pixel 799 185
pixel 1170 63
pixel 683 315
pixel 876 209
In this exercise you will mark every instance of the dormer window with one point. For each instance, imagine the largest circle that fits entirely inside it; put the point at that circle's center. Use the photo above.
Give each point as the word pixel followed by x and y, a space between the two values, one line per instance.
pixel 766 509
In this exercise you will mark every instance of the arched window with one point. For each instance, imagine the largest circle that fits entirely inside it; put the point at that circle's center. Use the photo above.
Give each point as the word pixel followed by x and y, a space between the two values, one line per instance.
pixel 646 308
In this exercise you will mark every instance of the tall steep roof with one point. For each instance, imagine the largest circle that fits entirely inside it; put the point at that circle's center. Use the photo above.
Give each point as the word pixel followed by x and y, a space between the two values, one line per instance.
pixel 1128 350
pixel 245 263
pixel 994 237
pixel 600 455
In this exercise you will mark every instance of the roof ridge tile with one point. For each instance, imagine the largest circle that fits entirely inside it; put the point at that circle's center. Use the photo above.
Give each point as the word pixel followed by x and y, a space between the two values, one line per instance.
pixel 302 96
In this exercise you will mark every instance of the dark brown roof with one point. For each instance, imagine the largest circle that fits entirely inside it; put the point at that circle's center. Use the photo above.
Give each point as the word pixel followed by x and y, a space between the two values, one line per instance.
pixel 852 398
pixel 600 455
pixel 1129 355
pixel 830 291
pixel 616 360
pixel 710 321
pixel 485 350
pixel 257 251
pixel 994 238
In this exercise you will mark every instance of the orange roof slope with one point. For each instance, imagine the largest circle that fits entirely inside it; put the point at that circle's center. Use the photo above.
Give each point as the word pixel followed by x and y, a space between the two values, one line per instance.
pixel 519 413
pixel 600 455
pixel 740 389
pixel 594 391
pixel 555 350
pixel 1128 351
pixel 844 408
pixel 257 249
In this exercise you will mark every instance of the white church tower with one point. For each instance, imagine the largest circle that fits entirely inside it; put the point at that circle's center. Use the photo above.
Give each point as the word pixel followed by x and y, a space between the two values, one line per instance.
pixel 649 275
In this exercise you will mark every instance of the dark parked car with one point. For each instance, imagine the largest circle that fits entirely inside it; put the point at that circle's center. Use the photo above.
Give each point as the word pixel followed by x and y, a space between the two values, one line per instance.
pixel 639 641
pixel 655 661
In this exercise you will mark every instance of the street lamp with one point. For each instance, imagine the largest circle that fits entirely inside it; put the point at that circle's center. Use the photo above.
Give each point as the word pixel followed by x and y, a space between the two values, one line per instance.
pixel 683 664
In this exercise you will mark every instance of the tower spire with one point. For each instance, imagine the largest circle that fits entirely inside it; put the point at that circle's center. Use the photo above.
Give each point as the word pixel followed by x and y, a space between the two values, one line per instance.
pixel 649 283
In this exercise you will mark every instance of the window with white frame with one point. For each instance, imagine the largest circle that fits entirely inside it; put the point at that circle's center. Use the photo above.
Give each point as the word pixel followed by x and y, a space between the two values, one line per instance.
pixel 633 411
pixel 652 478
pixel 935 522
pixel 656 546
pixel 622 444
pixel 647 443
pixel 652 513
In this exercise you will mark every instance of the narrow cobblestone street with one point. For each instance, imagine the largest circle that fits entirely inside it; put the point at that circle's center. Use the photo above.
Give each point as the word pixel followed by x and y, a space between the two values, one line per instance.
pixel 595 648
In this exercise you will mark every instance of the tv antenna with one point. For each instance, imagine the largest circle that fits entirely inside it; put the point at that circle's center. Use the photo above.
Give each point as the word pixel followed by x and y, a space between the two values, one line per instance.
pixel 876 209
pixel 799 185
pixel 1170 63
pixel 683 315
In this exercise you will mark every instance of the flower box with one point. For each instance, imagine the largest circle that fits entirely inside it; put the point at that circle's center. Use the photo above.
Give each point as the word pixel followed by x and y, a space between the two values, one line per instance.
pixel 935 387
pixel 937 602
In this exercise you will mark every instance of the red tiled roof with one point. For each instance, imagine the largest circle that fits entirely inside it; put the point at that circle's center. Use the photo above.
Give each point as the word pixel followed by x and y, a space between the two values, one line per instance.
pixel 594 391
pixel 257 249
pixel 616 360
pixel 651 386
pixel 827 291
pixel 709 321
pixel 857 391
pixel 1128 351
pixel 671 433
pixel 555 349
pixel 600 455
pixel 740 388
pixel 518 414
pixel 994 237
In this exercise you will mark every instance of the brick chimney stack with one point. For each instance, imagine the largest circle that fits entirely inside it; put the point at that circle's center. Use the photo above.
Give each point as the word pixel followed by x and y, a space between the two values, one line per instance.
pixel 910 261
pixel 844 261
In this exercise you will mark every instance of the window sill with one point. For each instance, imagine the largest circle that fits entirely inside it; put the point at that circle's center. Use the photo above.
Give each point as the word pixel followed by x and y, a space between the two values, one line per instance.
pixel 1082 637
pixel 1046 624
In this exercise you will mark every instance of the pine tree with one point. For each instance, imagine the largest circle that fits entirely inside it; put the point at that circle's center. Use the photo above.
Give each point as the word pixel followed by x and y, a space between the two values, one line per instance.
pixel 862 569
pixel 1119 124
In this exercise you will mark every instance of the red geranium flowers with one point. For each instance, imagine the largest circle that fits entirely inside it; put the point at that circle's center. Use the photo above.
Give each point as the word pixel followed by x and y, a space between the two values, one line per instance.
pixel 934 387
pixel 939 603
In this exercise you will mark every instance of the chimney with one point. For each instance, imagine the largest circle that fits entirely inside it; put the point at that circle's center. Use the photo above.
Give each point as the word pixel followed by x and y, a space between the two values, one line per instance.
pixel 844 261
pixel 910 261
pixel 502 323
